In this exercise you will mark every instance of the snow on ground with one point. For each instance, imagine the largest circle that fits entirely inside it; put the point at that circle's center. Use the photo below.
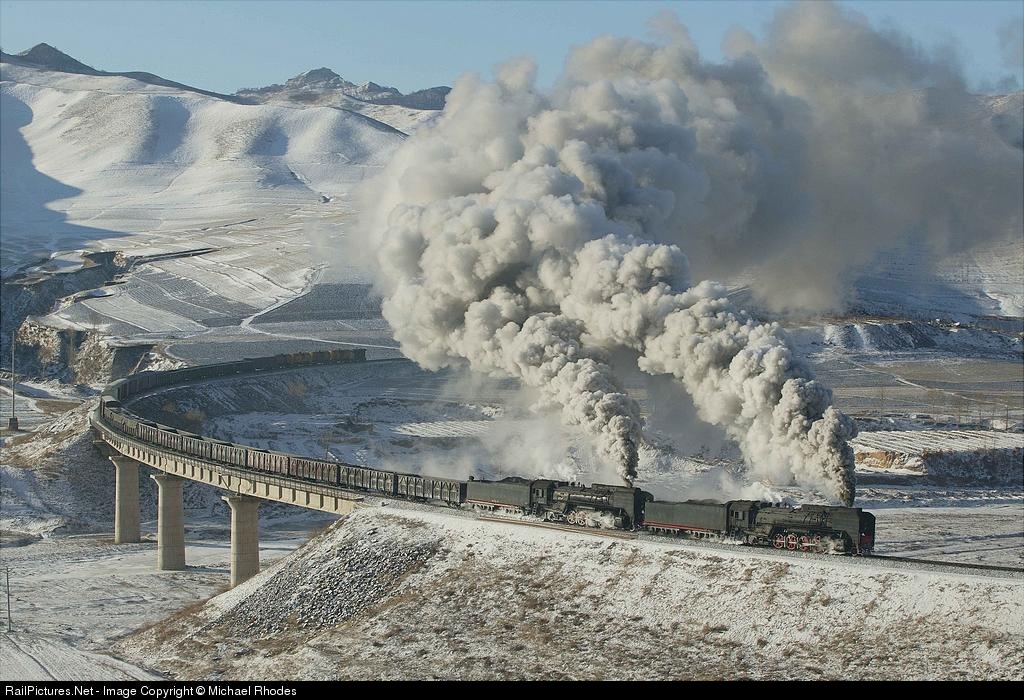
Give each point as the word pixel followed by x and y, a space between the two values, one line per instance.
pixel 34 402
pixel 979 282
pixel 73 596
pixel 951 455
pixel 33 657
pixel 74 593
pixel 234 217
pixel 917 441
pixel 990 531
pixel 223 210
pixel 394 594
pixel 53 477
pixel 935 390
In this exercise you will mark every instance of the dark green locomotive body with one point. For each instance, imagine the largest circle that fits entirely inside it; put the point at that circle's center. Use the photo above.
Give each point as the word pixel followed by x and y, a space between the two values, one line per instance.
pixel 623 504
pixel 600 504
pixel 814 527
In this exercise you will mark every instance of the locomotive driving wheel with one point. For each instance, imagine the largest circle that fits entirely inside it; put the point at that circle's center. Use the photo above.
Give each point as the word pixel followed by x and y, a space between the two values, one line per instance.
pixel 779 541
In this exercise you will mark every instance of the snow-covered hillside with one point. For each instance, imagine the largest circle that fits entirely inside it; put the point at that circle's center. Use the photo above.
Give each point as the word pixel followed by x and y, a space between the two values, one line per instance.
pixel 91 157
pixel 389 594
pixel 985 281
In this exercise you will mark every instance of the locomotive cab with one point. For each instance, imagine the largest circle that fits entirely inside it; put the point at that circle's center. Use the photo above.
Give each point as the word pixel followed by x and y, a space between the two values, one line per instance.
pixel 541 493
pixel 867 533
pixel 740 517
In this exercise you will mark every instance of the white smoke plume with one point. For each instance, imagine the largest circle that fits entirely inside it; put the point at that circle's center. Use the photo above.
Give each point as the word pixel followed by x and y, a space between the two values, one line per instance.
pixel 528 233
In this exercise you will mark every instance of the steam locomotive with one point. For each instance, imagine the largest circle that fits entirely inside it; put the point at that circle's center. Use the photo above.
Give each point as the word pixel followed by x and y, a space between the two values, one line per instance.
pixel 827 529
pixel 817 528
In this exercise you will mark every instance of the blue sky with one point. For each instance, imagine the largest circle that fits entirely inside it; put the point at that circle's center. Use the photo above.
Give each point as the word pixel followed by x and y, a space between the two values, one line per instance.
pixel 226 45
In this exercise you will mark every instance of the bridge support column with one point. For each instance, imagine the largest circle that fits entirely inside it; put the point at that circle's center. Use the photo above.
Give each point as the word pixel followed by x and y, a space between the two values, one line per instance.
pixel 126 500
pixel 170 524
pixel 245 539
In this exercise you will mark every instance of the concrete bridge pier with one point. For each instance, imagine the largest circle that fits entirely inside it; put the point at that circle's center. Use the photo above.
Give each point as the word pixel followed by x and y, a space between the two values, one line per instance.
pixel 170 524
pixel 245 538
pixel 126 500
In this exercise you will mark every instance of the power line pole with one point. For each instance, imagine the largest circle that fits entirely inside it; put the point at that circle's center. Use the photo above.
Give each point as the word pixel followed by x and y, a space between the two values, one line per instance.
pixel 10 625
pixel 12 423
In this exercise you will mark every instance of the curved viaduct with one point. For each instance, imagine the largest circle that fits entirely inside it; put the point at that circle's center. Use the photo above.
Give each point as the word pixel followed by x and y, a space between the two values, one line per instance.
pixel 246 487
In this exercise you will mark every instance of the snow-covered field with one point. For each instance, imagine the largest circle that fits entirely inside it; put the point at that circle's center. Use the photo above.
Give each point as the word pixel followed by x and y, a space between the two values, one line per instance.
pixel 912 442
pixel 35 657
pixel 72 597
pixel 405 595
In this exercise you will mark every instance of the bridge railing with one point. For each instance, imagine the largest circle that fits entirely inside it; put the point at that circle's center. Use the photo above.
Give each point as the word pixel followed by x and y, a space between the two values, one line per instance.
pixel 126 431
pixel 120 427
pixel 126 444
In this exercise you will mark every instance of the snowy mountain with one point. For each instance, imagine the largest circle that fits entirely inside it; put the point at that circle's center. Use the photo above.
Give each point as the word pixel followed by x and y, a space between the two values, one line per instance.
pixel 325 88
pixel 93 155
pixel 324 85
pixel 914 279
pixel 910 280
pixel 46 57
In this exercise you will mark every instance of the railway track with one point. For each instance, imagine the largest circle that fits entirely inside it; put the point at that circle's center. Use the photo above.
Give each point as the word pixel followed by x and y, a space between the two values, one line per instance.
pixel 876 558
pixel 953 564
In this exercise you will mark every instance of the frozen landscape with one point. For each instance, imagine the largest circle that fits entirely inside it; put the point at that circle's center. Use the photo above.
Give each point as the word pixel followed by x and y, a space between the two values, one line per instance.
pixel 148 224
pixel 435 596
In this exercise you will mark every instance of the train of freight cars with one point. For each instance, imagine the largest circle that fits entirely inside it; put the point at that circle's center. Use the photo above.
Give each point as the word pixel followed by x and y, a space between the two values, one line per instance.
pixel 815 528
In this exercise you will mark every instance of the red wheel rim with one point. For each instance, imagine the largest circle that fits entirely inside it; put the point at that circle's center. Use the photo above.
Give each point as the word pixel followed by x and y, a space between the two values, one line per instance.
pixel 805 543
pixel 791 542
pixel 779 542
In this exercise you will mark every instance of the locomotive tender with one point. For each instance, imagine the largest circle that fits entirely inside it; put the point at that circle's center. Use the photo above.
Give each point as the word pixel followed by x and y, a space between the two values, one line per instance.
pixel 817 528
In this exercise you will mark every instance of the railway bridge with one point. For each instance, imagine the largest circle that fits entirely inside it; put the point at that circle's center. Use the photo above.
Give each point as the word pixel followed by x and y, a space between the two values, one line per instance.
pixel 245 488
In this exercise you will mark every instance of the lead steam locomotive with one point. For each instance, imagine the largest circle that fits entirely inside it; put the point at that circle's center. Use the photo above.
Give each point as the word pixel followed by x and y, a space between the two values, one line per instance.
pixel 817 528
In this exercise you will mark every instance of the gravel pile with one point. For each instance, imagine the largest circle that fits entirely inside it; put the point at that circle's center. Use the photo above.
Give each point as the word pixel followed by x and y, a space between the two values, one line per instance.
pixel 340 578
